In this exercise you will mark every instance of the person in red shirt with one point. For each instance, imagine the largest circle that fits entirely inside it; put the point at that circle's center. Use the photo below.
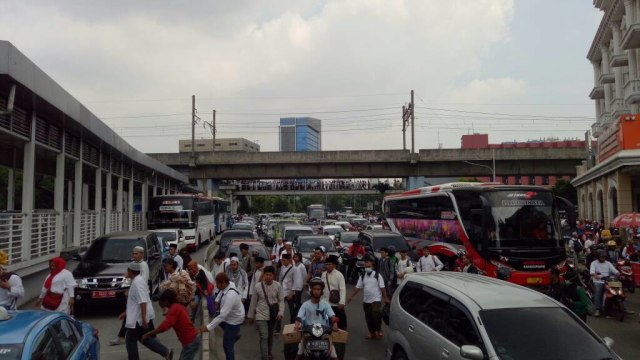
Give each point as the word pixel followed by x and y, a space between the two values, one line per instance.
pixel 178 319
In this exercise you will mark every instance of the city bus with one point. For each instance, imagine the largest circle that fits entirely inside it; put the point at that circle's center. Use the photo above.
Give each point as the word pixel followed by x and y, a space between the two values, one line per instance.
pixel 222 214
pixel 316 212
pixel 516 227
pixel 192 213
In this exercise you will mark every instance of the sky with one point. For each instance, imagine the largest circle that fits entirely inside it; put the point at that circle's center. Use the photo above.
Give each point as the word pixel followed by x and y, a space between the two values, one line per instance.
pixel 515 69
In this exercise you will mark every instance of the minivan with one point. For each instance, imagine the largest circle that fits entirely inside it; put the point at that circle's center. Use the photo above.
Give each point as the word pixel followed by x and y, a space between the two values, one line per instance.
pixel 457 315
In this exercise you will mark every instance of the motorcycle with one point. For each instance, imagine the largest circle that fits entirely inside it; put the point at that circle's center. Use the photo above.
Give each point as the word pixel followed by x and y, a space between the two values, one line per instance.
pixel 626 275
pixel 614 297
pixel 316 341
pixel 357 268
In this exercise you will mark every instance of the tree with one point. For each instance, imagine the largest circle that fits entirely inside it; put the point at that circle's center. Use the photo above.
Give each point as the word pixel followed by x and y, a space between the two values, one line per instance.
pixel 564 189
pixel 382 187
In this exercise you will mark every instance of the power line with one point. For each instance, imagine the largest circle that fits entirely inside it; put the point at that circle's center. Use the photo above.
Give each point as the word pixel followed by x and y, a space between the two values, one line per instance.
pixel 501 114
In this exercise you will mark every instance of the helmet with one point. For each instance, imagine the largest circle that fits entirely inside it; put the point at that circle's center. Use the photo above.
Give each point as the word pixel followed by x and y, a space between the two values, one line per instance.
pixel 612 243
pixel 605 234
pixel 316 281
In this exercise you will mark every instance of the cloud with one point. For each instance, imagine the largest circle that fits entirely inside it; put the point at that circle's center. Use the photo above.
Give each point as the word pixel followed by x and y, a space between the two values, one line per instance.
pixel 272 57
pixel 487 91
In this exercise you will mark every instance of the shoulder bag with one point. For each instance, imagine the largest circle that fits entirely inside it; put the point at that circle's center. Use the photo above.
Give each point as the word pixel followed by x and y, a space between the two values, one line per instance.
pixel 334 295
pixel 273 308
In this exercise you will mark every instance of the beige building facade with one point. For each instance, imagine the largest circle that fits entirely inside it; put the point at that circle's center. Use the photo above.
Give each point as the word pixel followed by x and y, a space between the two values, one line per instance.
pixel 609 184
pixel 228 144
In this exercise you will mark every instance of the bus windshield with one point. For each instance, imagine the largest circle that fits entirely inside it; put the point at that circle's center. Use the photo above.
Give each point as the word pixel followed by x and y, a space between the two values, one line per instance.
pixel 171 213
pixel 522 219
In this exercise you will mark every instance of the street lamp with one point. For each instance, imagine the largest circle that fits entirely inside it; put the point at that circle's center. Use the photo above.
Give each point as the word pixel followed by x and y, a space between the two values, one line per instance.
pixel 492 168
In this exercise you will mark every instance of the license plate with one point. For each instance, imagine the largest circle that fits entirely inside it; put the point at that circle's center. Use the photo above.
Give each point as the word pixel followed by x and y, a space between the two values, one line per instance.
pixel 535 280
pixel 318 345
pixel 103 294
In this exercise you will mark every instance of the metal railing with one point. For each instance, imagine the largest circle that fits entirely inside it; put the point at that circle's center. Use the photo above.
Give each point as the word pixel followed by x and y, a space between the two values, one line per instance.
pixel 11 226
pixel 137 221
pixel 43 233
pixel 88 227
pixel 115 221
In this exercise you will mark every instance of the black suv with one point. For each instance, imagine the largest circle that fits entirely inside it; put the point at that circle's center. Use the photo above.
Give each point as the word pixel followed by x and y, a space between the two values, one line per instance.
pixel 100 273
pixel 374 240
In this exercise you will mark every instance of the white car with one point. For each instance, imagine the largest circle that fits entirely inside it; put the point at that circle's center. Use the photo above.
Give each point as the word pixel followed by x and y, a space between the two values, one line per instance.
pixel 332 230
pixel 170 236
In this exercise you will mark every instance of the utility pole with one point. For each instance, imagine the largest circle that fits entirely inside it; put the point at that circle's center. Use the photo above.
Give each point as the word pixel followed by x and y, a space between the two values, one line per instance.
pixel 213 132
pixel 408 115
pixel 193 128
pixel 413 121
pixel 404 127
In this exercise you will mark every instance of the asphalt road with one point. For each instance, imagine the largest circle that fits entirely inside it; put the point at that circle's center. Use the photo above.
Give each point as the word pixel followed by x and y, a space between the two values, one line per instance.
pixel 626 334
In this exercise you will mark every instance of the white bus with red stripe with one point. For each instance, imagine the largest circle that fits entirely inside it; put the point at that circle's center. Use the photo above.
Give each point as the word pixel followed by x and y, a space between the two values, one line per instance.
pixel 517 227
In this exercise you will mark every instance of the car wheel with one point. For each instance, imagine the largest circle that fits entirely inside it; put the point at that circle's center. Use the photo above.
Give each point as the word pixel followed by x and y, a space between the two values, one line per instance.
pixel 399 355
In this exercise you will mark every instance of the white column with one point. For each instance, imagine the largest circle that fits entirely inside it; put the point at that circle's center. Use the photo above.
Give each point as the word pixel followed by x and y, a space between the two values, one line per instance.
pixel 130 201
pixel 85 196
pixel 155 186
pixel 119 194
pixel 28 179
pixel 77 201
pixel 615 28
pixel 58 197
pixel 629 12
pixel 633 70
pixel 145 201
pixel 11 189
pixel 98 200
pixel 605 70
pixel 70 195
pixel 108 204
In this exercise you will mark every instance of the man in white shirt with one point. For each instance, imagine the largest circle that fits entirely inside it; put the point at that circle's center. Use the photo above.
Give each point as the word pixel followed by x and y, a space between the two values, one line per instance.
pixel 403 266
pixel 220 263
pixel 257 275
pixel 275 252
pixel 600 270
pixel 173 253
pixel 231 315
pixel 334 283
pixel 139 316
pixel 428 262
pixel 374 293
pixel 286 279
pixel 298 281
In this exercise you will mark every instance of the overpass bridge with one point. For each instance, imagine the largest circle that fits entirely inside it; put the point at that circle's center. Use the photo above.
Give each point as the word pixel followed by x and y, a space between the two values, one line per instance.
pixel 376 163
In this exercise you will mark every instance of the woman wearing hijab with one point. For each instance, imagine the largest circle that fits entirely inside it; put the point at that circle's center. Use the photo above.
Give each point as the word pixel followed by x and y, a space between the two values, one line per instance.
pixel 57 293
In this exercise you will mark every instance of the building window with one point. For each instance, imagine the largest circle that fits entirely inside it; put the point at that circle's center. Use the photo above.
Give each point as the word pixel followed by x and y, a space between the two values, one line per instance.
pixel 233 144
pixel 218 145
pixel 545 180
pixel 518 180
pixel 188 146
pixel 505 180
pixel 200 145
pixel 532 180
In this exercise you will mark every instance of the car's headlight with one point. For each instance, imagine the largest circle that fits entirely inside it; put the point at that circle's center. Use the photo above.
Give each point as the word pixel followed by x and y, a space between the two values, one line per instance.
pixel 82 283
pixel 126 283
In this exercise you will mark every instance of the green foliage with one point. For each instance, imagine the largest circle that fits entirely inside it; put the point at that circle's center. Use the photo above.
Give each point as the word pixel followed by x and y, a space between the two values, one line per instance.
pixel 564 189
pixel 473 179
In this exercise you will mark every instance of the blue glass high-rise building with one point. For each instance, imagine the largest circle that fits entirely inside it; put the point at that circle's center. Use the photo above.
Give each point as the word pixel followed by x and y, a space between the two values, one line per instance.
pixel 300 134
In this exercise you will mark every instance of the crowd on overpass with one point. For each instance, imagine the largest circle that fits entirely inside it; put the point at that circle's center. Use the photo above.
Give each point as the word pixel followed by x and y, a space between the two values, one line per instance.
pixel 305 184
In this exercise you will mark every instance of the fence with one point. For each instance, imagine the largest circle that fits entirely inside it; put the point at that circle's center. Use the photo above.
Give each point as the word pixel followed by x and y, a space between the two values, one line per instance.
pixel 88 227
pixel 11 235
pixel 43 233
pixel 137 221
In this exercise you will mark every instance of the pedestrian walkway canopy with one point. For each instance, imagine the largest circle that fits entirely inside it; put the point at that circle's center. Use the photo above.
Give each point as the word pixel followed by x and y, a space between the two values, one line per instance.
pixel 65 176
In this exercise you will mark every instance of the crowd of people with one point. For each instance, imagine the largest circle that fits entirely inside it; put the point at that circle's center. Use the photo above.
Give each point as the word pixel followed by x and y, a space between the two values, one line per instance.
pixel 305 184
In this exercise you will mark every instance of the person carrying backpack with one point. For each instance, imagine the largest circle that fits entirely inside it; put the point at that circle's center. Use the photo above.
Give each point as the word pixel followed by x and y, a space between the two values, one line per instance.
pixel 374 293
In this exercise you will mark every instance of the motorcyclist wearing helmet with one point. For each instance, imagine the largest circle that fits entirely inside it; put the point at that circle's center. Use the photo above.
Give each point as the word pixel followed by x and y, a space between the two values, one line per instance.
pixel 316 310
pixel 600 270
pixel 356 248
pixel 613 253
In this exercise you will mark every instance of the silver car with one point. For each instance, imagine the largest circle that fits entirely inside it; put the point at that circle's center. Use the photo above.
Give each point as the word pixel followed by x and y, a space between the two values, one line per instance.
pixel 451 315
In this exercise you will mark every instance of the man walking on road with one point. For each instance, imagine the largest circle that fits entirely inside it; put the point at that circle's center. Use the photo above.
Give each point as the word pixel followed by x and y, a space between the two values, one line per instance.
pixel 231 315
pixel 266 294
pixel 428 262
pixel 335 293
pixel 139 317
pixel 374 293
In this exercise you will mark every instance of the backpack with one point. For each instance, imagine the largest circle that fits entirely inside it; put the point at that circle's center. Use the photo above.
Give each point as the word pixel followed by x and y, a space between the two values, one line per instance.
pixel 577 245
pixel 376 275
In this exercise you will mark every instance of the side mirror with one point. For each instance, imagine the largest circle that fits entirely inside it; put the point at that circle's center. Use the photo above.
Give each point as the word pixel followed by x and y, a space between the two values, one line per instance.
pixel 471 352
pixel 609 342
